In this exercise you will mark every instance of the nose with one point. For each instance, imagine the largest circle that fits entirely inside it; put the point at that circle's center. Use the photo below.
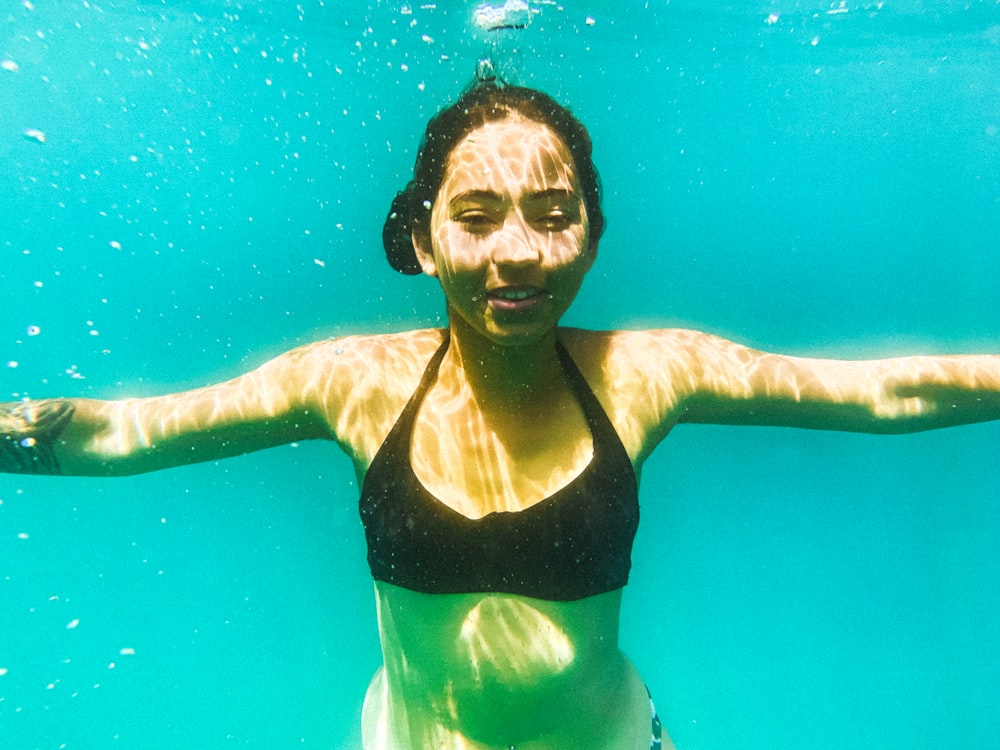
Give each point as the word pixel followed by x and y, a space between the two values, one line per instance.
pixel 516 243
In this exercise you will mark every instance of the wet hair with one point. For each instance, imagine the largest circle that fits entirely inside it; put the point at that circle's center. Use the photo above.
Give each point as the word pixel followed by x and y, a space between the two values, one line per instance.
pixel 485 101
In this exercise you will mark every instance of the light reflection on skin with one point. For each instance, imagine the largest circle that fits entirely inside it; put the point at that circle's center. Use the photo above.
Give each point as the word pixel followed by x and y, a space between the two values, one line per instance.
pixel 508 216
pixel 506 637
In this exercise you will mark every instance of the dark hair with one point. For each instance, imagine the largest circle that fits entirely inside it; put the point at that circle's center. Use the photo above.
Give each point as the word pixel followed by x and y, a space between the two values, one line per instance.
pixel 485 101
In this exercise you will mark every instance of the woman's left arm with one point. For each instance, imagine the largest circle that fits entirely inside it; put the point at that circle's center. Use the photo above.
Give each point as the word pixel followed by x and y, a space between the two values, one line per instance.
pixel 733 384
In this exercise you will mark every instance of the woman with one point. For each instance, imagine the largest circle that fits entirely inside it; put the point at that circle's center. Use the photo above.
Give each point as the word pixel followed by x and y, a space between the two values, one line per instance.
pixel 499 458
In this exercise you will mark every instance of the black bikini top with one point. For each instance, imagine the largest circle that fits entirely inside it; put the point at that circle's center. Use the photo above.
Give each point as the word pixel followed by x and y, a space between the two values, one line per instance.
pixel 571 545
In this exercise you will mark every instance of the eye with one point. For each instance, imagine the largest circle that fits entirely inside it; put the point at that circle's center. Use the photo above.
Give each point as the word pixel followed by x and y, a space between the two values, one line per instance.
pixel 553 210
pixel 475 221
pixel 554 221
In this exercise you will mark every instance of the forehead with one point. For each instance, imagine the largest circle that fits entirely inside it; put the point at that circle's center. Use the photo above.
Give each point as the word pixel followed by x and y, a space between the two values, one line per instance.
pixel 510 155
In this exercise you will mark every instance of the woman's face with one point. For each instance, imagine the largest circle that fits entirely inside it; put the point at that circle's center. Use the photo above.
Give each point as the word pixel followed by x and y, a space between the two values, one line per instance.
pixel 509 232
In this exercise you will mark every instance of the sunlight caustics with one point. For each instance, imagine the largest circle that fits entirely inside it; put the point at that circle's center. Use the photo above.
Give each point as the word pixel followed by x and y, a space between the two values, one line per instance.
pixel 509 178
pixel 506 636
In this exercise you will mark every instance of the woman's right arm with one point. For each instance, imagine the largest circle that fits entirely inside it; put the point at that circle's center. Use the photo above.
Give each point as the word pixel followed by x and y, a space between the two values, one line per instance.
pixel 291 397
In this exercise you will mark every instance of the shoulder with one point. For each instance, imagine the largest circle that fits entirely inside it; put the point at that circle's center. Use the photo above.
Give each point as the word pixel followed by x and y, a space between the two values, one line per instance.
pixel 385 354
pixel 621 352
pixel 361 383
pixel 388 352
pixel 643 377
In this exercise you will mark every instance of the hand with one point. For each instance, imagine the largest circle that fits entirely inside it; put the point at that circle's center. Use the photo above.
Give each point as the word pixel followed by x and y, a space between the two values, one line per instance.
pixel 941 394
pixel 28 431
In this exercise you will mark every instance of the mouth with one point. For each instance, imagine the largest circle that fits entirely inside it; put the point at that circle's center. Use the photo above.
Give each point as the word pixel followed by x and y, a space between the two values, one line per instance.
pixel 516 298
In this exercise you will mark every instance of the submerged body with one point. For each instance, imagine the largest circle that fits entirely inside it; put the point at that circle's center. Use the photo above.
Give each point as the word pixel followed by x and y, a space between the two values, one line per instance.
pixel 487 644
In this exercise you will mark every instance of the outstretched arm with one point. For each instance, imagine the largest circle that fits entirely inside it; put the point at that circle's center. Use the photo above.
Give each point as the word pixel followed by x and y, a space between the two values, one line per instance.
pixel 277 403
pixel 738 385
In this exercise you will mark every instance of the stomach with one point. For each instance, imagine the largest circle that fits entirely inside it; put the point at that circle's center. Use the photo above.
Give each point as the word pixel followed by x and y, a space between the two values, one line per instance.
pixel 500 668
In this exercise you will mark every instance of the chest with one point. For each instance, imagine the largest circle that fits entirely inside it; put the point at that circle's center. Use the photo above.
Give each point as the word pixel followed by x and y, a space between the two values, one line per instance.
pixel 478 461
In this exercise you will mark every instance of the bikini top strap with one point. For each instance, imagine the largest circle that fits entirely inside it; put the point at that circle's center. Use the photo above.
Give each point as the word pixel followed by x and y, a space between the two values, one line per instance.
pixel 592 408
pixel 607 441
pixel 409 412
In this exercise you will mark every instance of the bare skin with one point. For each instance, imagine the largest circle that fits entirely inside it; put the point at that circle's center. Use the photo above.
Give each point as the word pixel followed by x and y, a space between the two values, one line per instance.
pixel 501 430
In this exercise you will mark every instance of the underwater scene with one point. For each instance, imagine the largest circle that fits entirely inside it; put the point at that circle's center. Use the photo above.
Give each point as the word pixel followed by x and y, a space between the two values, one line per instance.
pixel 191 187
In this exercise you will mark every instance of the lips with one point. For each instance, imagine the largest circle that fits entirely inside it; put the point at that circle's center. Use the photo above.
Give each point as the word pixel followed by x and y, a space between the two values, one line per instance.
pixel 516 298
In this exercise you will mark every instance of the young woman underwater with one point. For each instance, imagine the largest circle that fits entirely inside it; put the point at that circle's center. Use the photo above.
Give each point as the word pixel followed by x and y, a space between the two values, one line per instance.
pixel 499 458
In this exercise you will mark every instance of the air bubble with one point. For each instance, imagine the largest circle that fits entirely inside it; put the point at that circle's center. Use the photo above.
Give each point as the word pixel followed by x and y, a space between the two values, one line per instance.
pixel 513 14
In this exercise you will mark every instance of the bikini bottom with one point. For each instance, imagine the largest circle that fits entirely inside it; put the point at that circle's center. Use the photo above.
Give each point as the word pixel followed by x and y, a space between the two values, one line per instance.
pixel 657 729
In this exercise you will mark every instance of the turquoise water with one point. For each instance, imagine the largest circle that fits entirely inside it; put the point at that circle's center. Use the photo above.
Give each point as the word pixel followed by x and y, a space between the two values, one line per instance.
pixel 205 189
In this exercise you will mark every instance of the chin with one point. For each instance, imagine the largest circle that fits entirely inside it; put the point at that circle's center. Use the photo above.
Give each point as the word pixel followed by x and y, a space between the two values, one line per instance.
pixel 505 333
pixel 512 338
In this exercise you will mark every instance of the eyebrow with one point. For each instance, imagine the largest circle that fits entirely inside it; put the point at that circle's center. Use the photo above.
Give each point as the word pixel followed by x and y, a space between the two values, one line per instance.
pixel 482 196
pixel 476 196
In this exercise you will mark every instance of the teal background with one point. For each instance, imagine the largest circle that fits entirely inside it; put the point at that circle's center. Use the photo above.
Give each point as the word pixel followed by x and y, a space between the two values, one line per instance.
pixel 802 176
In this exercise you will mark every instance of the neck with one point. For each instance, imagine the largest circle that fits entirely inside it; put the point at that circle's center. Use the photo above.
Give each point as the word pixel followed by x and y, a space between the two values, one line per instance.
pixel 509 375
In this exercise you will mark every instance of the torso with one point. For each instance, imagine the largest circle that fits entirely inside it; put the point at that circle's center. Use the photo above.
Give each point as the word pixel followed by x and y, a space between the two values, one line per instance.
pixel 496 670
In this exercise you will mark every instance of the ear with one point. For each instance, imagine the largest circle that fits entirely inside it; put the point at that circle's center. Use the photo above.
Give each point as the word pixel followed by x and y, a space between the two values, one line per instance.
pixel 424 252
pixel 591 253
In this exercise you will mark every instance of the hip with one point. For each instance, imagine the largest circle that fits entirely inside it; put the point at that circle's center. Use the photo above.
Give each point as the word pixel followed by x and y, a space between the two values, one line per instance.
pixel 614 712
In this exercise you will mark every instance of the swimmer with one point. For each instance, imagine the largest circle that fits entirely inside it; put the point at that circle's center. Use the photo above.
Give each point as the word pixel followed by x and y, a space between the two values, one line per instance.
pixel 498 457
